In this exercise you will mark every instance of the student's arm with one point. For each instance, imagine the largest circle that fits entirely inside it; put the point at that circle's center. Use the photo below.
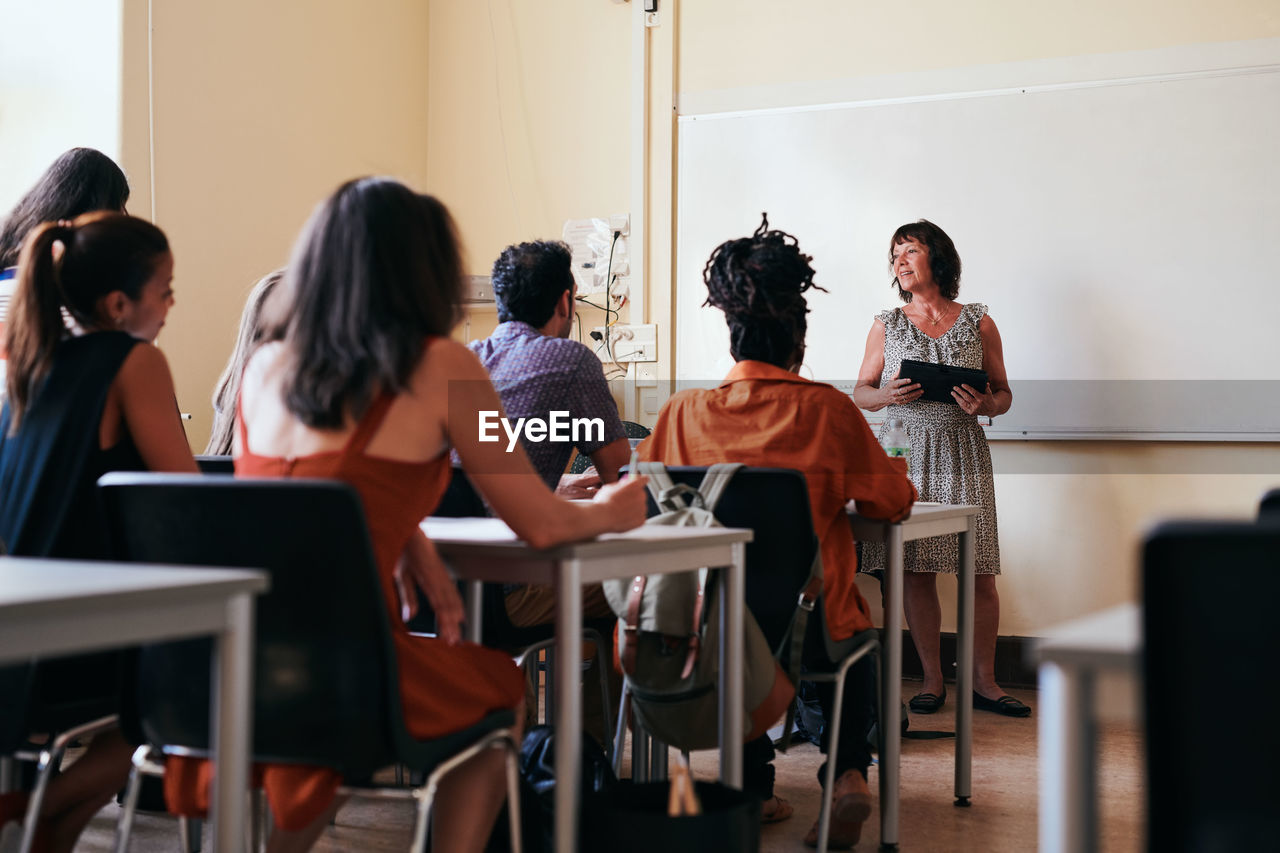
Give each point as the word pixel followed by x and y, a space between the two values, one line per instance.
pixel 877 484
pixel 997 397
pixel 609 459
pixel 867 393
pixel 507 480
pixel 605 463
pixel 149 409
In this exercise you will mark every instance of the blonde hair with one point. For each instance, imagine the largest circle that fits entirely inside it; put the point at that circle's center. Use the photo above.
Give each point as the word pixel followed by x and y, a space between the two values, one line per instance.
pixel 255 327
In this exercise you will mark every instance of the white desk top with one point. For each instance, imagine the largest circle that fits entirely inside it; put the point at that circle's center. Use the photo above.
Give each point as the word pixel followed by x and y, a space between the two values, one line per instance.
pixel 1108 639
pixel 492 535
pixel 926 519
pixel 38 592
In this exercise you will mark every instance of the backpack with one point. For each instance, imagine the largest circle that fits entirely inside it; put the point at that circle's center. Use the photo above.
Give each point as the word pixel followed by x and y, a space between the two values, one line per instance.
pixel 669 648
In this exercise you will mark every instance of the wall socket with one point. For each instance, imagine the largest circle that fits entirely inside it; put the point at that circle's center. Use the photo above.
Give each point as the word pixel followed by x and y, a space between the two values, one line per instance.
pixel 626 343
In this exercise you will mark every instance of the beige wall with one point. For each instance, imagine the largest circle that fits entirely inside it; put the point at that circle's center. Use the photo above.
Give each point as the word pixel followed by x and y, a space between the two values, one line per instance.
pixel 259 110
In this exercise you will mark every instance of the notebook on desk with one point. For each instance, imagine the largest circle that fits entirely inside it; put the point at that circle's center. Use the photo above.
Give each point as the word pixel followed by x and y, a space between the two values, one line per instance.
pixel 937 380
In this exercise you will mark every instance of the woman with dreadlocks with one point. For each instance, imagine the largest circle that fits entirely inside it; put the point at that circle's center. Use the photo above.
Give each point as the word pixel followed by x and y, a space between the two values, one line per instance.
pixel 763 414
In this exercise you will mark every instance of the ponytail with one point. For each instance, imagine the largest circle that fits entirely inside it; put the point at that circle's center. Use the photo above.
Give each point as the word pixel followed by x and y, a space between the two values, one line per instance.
pixel 101 253
pixel 35 324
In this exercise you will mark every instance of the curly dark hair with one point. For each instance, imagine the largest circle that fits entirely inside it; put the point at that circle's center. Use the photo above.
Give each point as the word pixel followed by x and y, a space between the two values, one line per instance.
pixel 944 261
pixel 528 279
pixel 79 181
pixel 759 284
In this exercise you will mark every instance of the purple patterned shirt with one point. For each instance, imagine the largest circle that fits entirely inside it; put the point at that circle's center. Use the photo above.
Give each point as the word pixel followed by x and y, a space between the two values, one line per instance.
pixel 535 375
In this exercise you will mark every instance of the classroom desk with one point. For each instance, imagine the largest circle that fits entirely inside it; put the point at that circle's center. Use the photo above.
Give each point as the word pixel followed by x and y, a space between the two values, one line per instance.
pixel 56 607
pixel 926 520
pixel 485 549
pixel 1071 656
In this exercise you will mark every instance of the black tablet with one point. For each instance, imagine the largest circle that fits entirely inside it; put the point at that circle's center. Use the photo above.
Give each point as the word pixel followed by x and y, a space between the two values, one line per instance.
pixel 937 380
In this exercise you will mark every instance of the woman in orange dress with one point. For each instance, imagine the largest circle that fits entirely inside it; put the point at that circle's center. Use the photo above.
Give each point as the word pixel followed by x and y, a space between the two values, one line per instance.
pixel 363 384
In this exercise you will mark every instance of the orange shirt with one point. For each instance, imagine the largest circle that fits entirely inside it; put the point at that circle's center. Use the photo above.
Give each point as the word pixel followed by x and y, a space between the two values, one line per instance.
pixel 765 416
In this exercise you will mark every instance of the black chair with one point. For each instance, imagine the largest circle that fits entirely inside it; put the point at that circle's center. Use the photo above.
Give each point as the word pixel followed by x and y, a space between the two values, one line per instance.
pixel 774 504
pixel 1269 507
pixel 1209 591
pixel 216 464
pixel 461 500
pixel 326 690
pixel 635 432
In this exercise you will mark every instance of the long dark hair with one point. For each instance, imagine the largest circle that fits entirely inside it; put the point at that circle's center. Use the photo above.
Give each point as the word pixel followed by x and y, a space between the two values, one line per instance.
pixel 759 284
pixel 254 326
pixel 79 181
pixel 102 253
pixel 944 260
pixel 377 269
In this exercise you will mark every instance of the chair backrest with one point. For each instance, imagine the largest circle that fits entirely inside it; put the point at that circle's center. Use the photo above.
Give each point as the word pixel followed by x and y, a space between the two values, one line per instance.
pixel 325 689
pixel 216 464
pixel 774 504
pixel 1209 601
pixel 1269 507
pixel 460 499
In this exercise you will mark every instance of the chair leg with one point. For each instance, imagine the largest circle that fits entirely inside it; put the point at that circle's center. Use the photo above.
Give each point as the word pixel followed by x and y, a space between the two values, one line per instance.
pixel 189 831
pixel 639 753
pixel 620 732
pixel 426 795
pixel 50 760
pixel 602 674
pixel 549 694
pixel 657 760
pixel 513 797
pixel 833 746
pixel 124 824
pixel 259 821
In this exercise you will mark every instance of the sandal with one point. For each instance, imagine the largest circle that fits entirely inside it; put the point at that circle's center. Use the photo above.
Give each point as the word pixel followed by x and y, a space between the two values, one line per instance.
pixel 780 812
pixel 1006 705
pixel 928 703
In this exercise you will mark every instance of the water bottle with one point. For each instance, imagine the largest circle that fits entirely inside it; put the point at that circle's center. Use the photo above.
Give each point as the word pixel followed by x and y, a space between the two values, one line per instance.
pixel 895 441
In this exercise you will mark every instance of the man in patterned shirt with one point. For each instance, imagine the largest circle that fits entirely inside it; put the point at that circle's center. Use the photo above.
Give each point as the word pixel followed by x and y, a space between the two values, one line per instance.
pixel 538 370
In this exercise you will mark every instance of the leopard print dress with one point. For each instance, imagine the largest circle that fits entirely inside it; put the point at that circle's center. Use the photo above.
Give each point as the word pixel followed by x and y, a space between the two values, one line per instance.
pixel 950 461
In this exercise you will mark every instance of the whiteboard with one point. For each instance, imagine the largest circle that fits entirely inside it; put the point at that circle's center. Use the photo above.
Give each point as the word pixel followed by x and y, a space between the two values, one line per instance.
pixel 1124 235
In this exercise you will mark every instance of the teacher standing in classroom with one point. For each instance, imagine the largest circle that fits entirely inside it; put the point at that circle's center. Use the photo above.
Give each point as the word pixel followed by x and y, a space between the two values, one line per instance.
pixel 950 461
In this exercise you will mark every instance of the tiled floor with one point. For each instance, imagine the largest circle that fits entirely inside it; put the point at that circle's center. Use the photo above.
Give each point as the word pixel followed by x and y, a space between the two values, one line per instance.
pixel 1002 817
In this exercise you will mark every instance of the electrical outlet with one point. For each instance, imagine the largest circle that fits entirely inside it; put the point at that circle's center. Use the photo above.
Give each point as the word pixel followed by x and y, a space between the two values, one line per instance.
pixel 623 343
pixel 621 223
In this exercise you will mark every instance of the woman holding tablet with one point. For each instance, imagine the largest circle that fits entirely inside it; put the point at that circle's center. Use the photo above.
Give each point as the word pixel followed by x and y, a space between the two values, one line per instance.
pixel 950 461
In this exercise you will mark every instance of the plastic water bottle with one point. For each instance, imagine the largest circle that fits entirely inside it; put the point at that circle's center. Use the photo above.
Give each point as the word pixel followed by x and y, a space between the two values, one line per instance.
pixel 896 443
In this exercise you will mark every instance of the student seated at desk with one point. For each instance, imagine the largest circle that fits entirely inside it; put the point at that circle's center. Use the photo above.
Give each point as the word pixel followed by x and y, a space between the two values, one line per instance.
pixel 362 383
pixel 538 369
pixel 82 402
pixel 765 415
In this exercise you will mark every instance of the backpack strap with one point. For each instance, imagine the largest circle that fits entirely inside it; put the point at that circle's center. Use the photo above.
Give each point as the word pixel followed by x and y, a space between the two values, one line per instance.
pixel 715 481
pixel 631 624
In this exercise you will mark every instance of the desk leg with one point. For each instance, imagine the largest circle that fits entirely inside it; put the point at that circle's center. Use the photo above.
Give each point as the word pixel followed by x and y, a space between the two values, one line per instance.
pixel 568 703
pixel 891 695
pixel 964 669
pixel 475 610
pixel 232 723
pixel 731 668
pixel 1068 813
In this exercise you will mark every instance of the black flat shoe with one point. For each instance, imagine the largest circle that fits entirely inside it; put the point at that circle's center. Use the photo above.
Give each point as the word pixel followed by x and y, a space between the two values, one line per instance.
pixel 929 703
pixel 1006 705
